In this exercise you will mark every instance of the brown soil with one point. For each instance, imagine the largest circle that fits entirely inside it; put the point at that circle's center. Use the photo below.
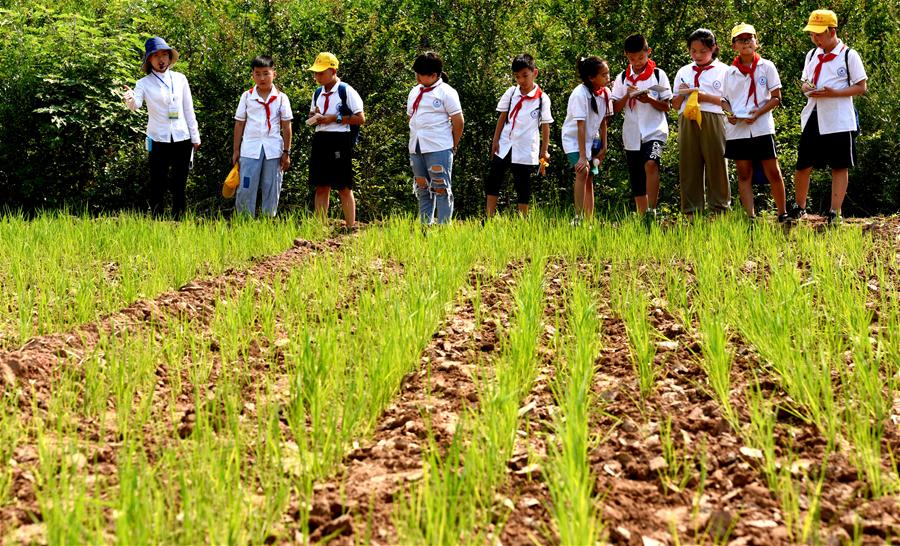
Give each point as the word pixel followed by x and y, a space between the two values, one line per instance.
pixel 358 505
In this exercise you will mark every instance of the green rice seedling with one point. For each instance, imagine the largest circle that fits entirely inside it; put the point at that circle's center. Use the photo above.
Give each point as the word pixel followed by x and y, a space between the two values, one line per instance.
pixel 760 433
pixel 571 483
pixel 677 471
pixel 10 434
pixel 802 525
pixel 633 305
pixel 678 293
pixel 716 361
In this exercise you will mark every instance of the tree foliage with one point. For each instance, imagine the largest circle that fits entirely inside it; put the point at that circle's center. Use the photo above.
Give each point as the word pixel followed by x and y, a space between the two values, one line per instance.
pixel 66 139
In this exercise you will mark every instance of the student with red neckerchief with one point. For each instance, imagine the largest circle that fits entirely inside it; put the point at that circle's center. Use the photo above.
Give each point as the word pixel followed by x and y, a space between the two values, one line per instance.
pixel 703 170
pixel 584 130
pixel 832 76
pixel 752 90
pixel 521 137
pixel 645 128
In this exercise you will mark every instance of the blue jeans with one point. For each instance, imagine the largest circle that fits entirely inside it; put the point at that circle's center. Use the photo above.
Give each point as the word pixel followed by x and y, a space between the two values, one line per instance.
pixel 432 174
pixel 259 176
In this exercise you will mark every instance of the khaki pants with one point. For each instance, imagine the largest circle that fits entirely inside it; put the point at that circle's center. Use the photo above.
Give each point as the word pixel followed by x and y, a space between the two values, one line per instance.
pixel 702 155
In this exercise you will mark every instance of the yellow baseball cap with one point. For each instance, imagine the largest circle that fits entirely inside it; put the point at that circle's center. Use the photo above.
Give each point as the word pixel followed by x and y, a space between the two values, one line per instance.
pixel 820 21
pixel 742 28
pixel 324 61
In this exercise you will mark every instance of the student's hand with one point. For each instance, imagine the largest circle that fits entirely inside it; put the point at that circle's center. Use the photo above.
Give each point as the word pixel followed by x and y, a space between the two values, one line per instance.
pixel 601 155
pixel 825 92
pixel 235 157
pixel 806 87
pixel 543 162
pixel 495 148
pixel 732 120
pixel 196 146
pixel 754 115
pixel 644 98
pixel 581 165
pixel 285 162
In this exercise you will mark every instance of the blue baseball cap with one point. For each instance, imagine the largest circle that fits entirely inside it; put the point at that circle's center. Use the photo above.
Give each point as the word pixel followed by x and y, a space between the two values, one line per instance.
pixel 155 44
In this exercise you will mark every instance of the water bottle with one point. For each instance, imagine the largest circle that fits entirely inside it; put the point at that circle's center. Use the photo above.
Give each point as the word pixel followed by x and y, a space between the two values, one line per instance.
pixel 596 146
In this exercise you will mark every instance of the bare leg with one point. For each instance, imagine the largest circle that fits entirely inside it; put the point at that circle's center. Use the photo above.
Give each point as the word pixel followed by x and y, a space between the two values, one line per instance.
pixel 839 180
pixel 745 184
pixel 491 207
pixel 348 204
pixel 641 204
pixel 322 196
pixel 589 196
pixel 523 208
pixel 801 185
pixel 776 181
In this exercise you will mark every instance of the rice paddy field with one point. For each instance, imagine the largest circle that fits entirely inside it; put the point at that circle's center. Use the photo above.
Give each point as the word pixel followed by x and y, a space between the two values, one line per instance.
pixel 522 382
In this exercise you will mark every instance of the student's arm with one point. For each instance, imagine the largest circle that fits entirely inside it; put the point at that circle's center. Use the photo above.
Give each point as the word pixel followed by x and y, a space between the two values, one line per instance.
pixel 770 105
pixel 619 104
pixel 661 105
pixel 582 142
pixel 456 123
pixel 545 141
pixel 677 100
pixel 859 88
pixel 709 98
pixel 601 155
pixel 238 137
pixel 286 134
pixel 495 144
pixel 358 118
pixel 189 116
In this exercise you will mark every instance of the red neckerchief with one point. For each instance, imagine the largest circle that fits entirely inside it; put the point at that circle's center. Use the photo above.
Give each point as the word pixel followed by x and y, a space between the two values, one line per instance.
pixel 327 96
pixel 634 78
pixel 749 71
pixel 272 96
pixel 422 91
pixel 700 70
pixel 823 58
pixel 518 106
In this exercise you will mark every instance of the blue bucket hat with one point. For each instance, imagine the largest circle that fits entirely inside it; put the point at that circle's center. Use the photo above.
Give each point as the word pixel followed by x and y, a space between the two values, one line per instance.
pixel 155 44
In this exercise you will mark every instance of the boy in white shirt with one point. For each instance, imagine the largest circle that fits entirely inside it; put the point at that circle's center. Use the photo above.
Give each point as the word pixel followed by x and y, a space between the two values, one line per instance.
pixel 646 91
pixel 337 112
pixel 523 127
pixel 832 76
pixel 172 133
pixel 435 127
pixel 262 140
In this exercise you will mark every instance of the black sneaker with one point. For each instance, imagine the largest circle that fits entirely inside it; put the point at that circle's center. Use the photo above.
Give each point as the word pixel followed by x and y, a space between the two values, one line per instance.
pixel 784 217
pixel 796 211
pixel 833 218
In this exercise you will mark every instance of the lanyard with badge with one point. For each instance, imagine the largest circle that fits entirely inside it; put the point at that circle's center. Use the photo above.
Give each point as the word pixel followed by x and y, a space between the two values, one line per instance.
pixel 172 101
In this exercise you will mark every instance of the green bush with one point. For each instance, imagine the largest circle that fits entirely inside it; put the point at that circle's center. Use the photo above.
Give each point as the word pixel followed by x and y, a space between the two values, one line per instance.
pixel 66 139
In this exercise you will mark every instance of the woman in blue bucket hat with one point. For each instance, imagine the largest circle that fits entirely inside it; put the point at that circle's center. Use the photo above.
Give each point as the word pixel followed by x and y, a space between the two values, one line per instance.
pixel 172 134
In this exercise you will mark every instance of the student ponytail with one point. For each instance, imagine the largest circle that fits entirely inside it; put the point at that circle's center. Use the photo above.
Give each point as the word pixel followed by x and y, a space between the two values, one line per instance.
pixel 445 77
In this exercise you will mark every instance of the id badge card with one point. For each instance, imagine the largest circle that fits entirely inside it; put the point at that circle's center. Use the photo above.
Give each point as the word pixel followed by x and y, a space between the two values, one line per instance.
pixel 173 110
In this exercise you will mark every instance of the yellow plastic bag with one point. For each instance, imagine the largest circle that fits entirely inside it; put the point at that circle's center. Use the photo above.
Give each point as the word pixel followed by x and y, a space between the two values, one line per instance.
pixel 231 182
pixel 692 109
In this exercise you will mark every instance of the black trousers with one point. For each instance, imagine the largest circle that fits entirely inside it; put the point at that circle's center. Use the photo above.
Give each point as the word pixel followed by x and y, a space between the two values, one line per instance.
pixel 169 164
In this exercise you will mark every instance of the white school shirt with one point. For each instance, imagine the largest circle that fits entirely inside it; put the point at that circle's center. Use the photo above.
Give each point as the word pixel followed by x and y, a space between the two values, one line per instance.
pixel 354 103
pixel 525 140
pixel 162 92
pixel 258 133
pixel 430 127
pixel 579 108
pixel 737 91
pixel 643 123
pixel 711 82
pixel 836 114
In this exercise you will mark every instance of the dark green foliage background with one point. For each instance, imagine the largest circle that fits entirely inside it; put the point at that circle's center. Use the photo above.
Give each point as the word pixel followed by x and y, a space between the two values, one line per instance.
pixel 67 140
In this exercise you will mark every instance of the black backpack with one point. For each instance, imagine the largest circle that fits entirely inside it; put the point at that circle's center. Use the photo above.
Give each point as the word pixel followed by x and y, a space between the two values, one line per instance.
pixel 344 109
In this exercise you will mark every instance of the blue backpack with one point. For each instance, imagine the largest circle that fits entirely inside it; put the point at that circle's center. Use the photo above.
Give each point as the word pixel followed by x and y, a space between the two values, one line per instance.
pixel 344 109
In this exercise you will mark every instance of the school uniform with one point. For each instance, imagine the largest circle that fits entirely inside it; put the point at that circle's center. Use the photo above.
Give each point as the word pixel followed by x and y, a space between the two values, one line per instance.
pixel 746 91
pixel 171 133
pixel 520 140
pixel 703 171
pixel 431 147
pixel 644 128
pixel 261 149
pixel 829 124
pixel 591 108
pixel 331 157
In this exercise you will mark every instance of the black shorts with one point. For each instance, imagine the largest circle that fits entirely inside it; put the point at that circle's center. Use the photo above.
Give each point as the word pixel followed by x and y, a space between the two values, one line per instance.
pixel 637 160
pixel 835 150
pixel 521 178
pixel 751 149
pixel 331 160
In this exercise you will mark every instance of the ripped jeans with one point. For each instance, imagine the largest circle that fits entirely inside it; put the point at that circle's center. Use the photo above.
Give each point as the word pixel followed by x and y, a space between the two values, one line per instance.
pixel 431 185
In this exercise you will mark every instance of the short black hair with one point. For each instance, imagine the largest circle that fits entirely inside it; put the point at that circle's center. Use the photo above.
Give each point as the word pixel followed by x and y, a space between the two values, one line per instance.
pixel 636 43
pixel 428 63
pixel 588 67
pixel 705 37
pixel 262 61
pixel 523 61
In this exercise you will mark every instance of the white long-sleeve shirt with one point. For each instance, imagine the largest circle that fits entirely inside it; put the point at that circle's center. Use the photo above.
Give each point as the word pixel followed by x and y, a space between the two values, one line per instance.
pixel 170 107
